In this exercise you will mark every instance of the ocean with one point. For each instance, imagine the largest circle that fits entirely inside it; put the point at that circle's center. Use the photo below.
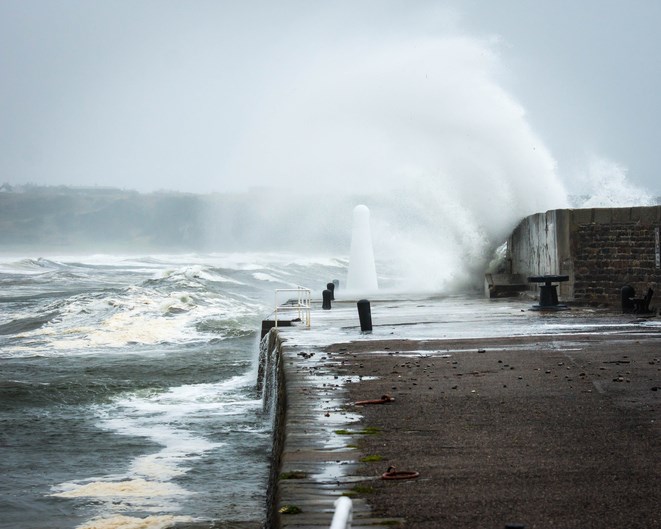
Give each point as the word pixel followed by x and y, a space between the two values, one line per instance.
pixel 128 388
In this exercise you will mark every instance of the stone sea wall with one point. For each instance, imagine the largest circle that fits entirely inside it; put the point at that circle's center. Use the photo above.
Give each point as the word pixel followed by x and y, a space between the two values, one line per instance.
pixel 600 249
pixel 271 378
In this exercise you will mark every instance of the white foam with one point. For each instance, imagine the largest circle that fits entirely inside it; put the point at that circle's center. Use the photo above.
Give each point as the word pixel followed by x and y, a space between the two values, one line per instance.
pixel 142 315
pixel 113 490
pixel 261 276
pixel 129 522
pixel 119 330
pixel 163 418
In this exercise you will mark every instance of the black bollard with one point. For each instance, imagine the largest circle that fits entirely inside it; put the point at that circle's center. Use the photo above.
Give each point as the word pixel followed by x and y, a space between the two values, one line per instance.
pixel 628 293
pixel 331 287
pixel 365 315
pixel 326 297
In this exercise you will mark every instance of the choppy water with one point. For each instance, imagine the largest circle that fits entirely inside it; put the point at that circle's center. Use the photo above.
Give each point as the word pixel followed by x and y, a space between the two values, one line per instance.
pixel 127 387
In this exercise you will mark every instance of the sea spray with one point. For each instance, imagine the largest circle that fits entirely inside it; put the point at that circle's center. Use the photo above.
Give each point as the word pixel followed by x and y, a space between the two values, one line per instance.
pixel 422 128
pixel 130 522
pixel 605 185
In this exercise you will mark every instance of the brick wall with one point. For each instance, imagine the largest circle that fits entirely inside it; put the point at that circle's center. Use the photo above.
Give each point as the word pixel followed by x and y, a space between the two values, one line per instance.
pixel 608 256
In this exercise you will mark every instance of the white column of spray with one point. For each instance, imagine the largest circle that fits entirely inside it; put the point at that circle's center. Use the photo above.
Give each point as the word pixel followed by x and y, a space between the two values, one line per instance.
pixel 362 270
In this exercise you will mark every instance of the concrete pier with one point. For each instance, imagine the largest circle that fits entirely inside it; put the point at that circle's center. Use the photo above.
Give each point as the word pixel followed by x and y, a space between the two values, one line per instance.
pixel 600 250
pixel 508 416
pixel 317 461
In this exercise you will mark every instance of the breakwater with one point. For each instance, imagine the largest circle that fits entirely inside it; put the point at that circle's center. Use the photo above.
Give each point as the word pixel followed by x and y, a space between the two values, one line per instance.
pixel 271 381
pixel 600 249
pixel 314 458
pixel 506 414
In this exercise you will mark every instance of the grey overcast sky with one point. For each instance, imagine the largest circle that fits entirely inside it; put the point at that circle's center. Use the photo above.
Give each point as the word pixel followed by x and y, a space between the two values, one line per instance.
pixel 221 96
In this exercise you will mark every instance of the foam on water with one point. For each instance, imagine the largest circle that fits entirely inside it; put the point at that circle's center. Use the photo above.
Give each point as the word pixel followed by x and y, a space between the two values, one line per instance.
pixel 163 310
pixel 178 304
pixel 138 376
pixel 129 522
pixel 261 276
pixel 119 330
pixel 167 419
pixel 112 491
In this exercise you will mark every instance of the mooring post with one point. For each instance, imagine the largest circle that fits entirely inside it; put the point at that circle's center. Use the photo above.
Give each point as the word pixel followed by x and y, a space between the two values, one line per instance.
pixel 365 315
pixel 627 295
pixel 326 296
pixel 331 287
pixel 548 293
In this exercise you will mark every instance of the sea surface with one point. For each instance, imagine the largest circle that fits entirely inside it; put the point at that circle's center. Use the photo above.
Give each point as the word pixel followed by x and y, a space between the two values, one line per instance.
pixel 128 387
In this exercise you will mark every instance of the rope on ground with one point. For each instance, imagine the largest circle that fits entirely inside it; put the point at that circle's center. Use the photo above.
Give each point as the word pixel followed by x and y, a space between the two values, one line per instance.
pixel 382 400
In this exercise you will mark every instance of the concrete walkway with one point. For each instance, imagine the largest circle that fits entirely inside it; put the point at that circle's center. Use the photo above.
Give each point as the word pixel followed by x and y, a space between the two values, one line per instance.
pixel 508 415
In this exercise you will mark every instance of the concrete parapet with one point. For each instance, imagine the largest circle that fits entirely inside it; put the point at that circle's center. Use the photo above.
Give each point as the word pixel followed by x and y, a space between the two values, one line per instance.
pixel 602 215
pixel 600 249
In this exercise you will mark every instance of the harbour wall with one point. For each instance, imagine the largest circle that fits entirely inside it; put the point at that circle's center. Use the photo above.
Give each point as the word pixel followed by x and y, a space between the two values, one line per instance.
pixel 485 394
pixel 271 381
pixel 312 462
pixel 600 249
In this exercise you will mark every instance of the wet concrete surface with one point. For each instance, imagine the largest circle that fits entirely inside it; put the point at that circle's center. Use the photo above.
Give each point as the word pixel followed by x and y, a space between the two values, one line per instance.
pixel 508 415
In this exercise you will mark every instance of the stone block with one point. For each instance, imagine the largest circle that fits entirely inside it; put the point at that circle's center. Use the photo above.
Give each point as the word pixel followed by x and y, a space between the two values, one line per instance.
pixel 622 215
pixel 649 216
pixel 581 217
pixel 602 215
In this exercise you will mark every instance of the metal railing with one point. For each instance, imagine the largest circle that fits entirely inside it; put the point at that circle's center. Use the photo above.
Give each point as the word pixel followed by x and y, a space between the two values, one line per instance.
pixel 343 515
pixel 300 303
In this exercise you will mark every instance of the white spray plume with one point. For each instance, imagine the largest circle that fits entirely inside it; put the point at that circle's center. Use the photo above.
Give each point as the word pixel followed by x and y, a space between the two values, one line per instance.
pixel 419 129
pixel 605 184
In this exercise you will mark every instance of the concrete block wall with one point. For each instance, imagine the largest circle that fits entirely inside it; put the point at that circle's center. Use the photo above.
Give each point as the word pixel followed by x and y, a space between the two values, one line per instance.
pixel 600 249
pixel 533 245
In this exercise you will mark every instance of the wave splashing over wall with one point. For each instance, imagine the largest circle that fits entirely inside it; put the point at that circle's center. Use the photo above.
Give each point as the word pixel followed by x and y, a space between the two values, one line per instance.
pixel 422 132
pixel 606 186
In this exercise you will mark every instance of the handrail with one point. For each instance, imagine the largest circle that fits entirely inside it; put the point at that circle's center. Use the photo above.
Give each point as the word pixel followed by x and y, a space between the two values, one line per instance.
pixel 301 304
pixel 343 515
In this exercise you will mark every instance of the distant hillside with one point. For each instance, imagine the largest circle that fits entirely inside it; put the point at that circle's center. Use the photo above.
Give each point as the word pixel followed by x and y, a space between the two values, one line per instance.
pixel 97 219
pixel 53 218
